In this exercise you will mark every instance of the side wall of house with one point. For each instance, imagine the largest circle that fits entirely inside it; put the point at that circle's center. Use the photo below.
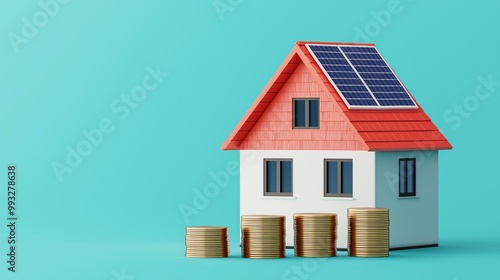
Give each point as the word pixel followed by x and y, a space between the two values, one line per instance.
pixel 308 186
pixel 414 220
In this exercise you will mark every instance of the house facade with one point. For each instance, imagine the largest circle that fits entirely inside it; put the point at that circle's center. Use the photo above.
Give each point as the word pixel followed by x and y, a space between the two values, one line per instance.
pixel 312 143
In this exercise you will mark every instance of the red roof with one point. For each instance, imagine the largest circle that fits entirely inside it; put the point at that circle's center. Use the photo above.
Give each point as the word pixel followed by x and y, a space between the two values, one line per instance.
pixel 376 129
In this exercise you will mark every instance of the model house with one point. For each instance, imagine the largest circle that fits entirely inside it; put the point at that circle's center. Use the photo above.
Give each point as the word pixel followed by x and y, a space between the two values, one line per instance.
pixel 335 128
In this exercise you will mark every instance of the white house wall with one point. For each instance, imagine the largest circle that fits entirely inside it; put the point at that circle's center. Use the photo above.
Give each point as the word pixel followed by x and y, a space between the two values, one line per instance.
pixel 308 184
pixel 414 220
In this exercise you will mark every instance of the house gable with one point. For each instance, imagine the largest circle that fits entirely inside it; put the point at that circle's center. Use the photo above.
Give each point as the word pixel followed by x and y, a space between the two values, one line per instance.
pixel 273 130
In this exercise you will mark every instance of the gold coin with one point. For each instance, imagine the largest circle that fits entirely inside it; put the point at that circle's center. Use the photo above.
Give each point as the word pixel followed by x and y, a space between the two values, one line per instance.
pixel 206 227
pixel 315 215
pixel 207 256
pixel 207 238
pixel 368 209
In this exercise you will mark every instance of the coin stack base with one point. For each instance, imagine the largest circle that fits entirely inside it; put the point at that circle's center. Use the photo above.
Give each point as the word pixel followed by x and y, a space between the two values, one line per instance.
pixel 368 234
pixel 262 236
pixel 315 234
pixel 207 242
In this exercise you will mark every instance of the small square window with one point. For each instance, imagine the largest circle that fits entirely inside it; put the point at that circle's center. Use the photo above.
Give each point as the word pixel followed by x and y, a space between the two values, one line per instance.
pixel 305 113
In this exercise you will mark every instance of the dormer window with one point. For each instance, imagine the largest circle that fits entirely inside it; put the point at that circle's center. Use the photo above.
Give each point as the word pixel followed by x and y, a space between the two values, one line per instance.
pixel 305 112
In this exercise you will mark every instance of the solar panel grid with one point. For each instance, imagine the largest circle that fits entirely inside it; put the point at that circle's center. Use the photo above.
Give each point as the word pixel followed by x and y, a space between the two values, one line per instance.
pixel 343 75
pixel 362 76
pixel 378 76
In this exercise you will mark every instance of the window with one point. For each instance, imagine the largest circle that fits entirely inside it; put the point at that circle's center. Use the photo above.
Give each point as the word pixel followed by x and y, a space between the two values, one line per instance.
pixel 407 177
pixel 278 177
pixel 306 113
pixel 338 177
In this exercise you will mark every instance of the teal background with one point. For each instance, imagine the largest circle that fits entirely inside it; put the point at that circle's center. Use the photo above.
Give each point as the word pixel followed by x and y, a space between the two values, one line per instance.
pixel 116 215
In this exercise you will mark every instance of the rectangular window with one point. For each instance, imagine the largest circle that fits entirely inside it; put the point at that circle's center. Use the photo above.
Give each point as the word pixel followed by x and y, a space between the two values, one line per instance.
pixel 407 177
pixel 278 177
pixel 338 177
pixel 305 113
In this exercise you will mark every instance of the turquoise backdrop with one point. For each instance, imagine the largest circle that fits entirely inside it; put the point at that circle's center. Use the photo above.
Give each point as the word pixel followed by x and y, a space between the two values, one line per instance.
pixel 113 113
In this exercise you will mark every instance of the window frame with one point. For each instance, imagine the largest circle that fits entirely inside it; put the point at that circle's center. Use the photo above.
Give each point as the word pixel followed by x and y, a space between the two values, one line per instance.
pixel 306 126
pixel 413 178
pixel 339 178
pixel 278 179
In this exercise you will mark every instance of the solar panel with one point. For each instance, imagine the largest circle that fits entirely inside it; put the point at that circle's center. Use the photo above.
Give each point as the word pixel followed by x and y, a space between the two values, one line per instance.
pixel 361 76
pixel 342 74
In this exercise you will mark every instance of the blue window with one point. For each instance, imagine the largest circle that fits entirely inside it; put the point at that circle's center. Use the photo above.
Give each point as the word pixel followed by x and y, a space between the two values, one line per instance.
pixel 306 113
pixel 278 177
pixel 407 177
pixel 338 177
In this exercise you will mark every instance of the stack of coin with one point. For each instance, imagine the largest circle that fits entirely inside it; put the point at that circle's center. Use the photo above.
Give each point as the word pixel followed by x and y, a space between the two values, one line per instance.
pixel 368 234
pixel 207 242
pixel 263 236
pixel 315 234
